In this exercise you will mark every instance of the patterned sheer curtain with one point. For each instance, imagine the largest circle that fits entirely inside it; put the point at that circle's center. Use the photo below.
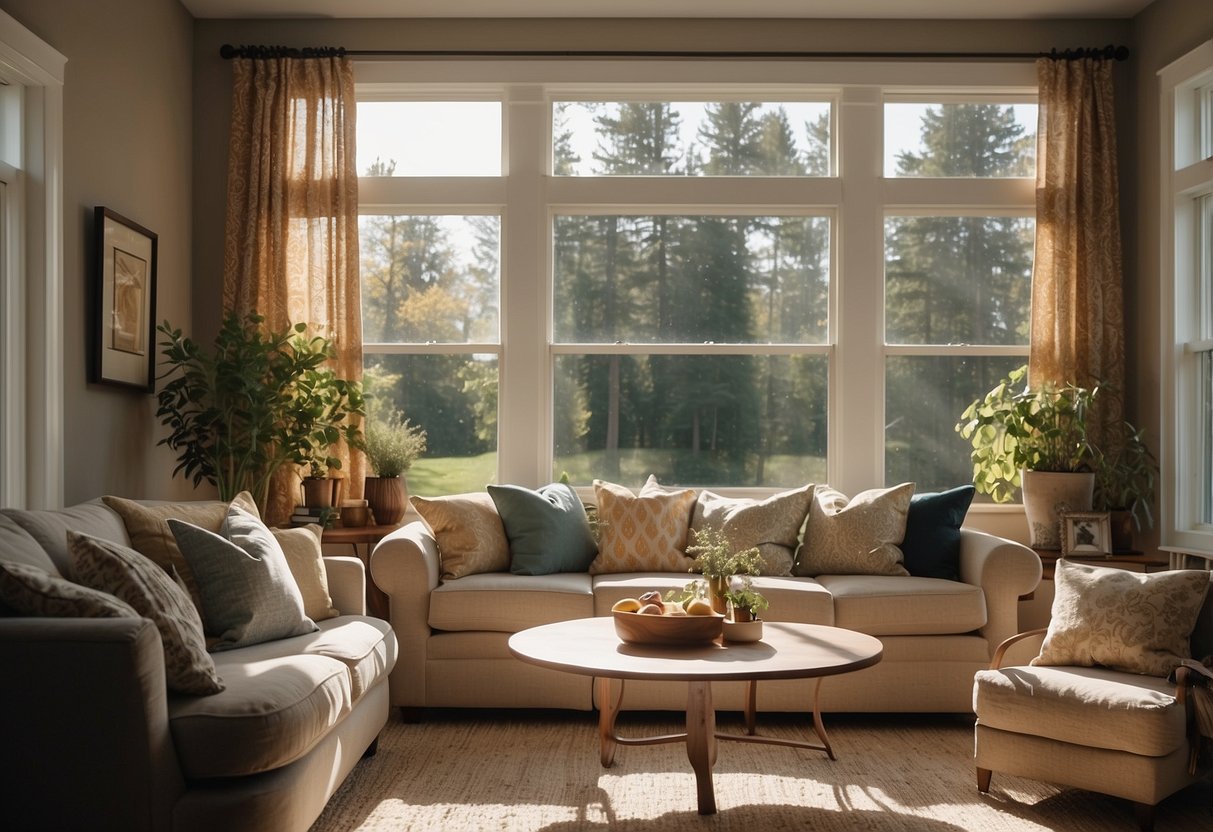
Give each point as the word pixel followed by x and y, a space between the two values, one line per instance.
pixel 291 248
pixel 1077 292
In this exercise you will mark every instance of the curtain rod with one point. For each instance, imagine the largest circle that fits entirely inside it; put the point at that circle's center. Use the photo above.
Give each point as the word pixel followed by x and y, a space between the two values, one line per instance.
pixel 227 51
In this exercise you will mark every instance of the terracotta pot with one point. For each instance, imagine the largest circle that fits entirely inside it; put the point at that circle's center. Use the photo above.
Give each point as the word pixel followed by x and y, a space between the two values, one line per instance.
pixel 1046 495
pixel 320 492
pixel 388 498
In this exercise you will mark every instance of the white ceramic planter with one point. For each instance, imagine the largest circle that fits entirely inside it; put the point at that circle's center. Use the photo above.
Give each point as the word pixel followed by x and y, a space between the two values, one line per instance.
pixel 742 631
pixel 1046 494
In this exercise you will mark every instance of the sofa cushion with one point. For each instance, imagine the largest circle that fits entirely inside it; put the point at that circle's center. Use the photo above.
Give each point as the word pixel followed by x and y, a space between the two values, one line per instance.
pixel 856 536
pixel 273 712
pixel 366 646
pixel 931 547
pixel 1093 707
pixel 247 590
pixel 1135 622
pixel 548 529
pixel 642 533
pixel 304 557
pixel 468 531
pixel 506 602
pixel 28 590
pixel 50 528
pixel 126 574
pixel 772 525
pixel 887 605
pixel 18 546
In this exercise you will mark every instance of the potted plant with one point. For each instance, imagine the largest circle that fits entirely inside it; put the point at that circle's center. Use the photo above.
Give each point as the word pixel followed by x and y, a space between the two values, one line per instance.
pixel 392 446
pixel 745 604
pixel 255 402
pixel 1125 478
pixel 717 560
pixel 1034 438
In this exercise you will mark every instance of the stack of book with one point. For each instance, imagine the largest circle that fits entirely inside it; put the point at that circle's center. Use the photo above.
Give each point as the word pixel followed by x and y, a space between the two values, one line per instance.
pixel 306 515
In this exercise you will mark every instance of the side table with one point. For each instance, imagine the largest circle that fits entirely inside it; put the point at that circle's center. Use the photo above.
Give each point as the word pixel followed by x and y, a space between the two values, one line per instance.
pixel 363 540
pixel 1133 561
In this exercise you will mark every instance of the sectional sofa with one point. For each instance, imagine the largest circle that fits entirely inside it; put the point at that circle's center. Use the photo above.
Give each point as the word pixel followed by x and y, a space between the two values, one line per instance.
pixel 94 739
pixel 453 631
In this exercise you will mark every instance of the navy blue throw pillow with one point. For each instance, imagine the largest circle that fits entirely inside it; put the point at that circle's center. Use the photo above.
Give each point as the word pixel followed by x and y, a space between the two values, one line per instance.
pixel 548 529
pixel 932 542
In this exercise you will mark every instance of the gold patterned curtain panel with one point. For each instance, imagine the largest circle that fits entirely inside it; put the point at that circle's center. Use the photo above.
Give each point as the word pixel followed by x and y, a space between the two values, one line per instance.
pixel 291 245
pixel 1077 291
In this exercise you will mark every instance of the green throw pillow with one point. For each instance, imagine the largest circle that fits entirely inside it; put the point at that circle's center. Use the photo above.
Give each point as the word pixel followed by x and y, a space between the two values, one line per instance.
pixel 932 543
pixel 248 593
pixel 548 529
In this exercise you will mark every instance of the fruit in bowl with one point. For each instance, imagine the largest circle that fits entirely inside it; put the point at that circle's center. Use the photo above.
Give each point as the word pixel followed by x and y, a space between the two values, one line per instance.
pixel 650 620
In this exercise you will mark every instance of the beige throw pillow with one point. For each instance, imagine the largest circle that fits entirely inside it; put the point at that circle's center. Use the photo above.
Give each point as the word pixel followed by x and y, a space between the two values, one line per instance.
pixel 469 532
pixel 772 525
pixel 1130 621
pixel 301 546
pixel 128 575
pixel 859 536
pixel 147 526
pixel 642 533
pixel 28 590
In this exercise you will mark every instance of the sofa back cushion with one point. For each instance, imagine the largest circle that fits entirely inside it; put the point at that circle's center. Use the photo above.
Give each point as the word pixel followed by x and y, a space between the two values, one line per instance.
pixel 18 546
pixel 50 528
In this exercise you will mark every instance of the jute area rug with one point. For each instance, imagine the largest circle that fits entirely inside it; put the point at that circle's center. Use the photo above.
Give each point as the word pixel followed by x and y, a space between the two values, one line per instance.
pixel 539 770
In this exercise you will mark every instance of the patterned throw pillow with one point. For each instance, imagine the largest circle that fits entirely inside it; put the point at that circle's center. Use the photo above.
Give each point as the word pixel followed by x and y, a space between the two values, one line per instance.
pixel 548 529
pixel 773 525
pixel 859 536
pixel 642 533
pixel 147 526
pixel 248 593
pixel 1130 621
pixel 28 590
pixel 468 529
pixel 128 575
pixel 301 546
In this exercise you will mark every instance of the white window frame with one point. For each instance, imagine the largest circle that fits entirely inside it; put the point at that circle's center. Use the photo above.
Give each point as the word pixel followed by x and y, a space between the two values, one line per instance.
pixel 528 196
pixel 31 277
pixel 1186 175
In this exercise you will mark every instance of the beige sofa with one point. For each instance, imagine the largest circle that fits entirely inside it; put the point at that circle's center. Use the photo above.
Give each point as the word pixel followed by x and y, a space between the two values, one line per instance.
pixel 93 740
pixel 936 633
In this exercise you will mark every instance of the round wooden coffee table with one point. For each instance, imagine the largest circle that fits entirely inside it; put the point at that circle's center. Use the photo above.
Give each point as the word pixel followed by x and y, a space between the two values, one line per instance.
pixel 590 647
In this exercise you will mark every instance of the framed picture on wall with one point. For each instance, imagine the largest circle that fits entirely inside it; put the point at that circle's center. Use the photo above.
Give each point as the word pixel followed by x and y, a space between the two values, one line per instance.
pixel 123 344
pixel 1086 534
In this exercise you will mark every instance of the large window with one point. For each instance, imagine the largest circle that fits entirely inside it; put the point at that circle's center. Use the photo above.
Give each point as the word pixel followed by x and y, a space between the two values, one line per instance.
pixel 736 277
pixel 1187 269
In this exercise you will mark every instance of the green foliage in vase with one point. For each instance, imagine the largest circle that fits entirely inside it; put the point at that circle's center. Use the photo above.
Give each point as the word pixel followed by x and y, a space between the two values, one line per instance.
pixel 715 556
pixel 393 444
pixel 1125 475
pixel 256 401
pixel 746 598
pixel 1015 427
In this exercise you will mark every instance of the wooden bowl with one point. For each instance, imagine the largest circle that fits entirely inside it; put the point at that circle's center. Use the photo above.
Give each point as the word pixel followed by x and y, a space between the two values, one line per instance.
pixel 634 628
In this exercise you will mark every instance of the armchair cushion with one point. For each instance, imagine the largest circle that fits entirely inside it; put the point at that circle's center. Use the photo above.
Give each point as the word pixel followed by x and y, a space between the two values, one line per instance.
pixel 1138 623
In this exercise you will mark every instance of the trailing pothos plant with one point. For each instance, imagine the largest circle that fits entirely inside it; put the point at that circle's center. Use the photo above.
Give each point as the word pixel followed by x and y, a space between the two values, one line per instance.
pixel 1015 427
pixel 257 401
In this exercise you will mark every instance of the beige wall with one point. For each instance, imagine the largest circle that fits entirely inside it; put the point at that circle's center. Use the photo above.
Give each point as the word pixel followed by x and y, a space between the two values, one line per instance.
pixel 127 145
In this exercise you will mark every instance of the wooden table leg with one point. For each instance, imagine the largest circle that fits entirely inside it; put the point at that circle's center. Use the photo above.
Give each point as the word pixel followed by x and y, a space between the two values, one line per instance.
pixel 818 725
pixel 608 710
pixel 751 707
pixel 701 742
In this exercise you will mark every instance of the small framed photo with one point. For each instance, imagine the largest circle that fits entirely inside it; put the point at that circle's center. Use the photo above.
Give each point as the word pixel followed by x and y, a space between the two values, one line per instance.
pixel 1086 534
pixel 124 303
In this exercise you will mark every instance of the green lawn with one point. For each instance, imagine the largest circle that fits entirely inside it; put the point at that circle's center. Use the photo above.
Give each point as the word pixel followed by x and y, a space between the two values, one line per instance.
pixel 434 476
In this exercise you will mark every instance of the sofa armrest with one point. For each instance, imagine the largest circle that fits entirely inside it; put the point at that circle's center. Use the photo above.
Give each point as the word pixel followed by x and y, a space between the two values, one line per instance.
pixel 347 584
pixel 406 566
pixel 1004 570
pixel 86 709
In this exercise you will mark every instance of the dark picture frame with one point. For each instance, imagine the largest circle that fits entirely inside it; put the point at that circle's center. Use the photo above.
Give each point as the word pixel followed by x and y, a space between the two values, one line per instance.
pixel 123 318
pixel 1086 534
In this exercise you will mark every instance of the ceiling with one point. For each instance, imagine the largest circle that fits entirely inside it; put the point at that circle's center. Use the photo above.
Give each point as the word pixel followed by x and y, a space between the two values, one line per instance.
pixel 887 9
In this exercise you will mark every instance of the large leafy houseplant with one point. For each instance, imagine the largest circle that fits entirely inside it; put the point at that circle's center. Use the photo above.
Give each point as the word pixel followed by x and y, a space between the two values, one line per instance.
pixel 1015 427
pixel 257 401
pixel 1125 476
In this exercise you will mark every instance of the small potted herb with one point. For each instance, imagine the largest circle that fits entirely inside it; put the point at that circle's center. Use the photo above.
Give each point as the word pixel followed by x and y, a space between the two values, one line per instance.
pixel 746 603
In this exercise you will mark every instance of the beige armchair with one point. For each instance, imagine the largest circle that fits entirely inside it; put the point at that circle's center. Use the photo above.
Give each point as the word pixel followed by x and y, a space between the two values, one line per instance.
pixel 1118 733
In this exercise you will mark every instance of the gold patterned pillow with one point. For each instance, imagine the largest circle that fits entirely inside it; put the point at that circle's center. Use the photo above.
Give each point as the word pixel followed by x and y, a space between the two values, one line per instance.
pixel 469 532
pixel 859 536
pixel 128 575
pixel 1138 623
pixel 772 525
pixel 304 557
pixel 642 533
pixel 28 590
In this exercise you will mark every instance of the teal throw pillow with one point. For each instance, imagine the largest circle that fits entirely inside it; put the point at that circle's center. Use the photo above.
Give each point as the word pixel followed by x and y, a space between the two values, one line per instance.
pixel 248 592
pixel 932 544
pixel 548 529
